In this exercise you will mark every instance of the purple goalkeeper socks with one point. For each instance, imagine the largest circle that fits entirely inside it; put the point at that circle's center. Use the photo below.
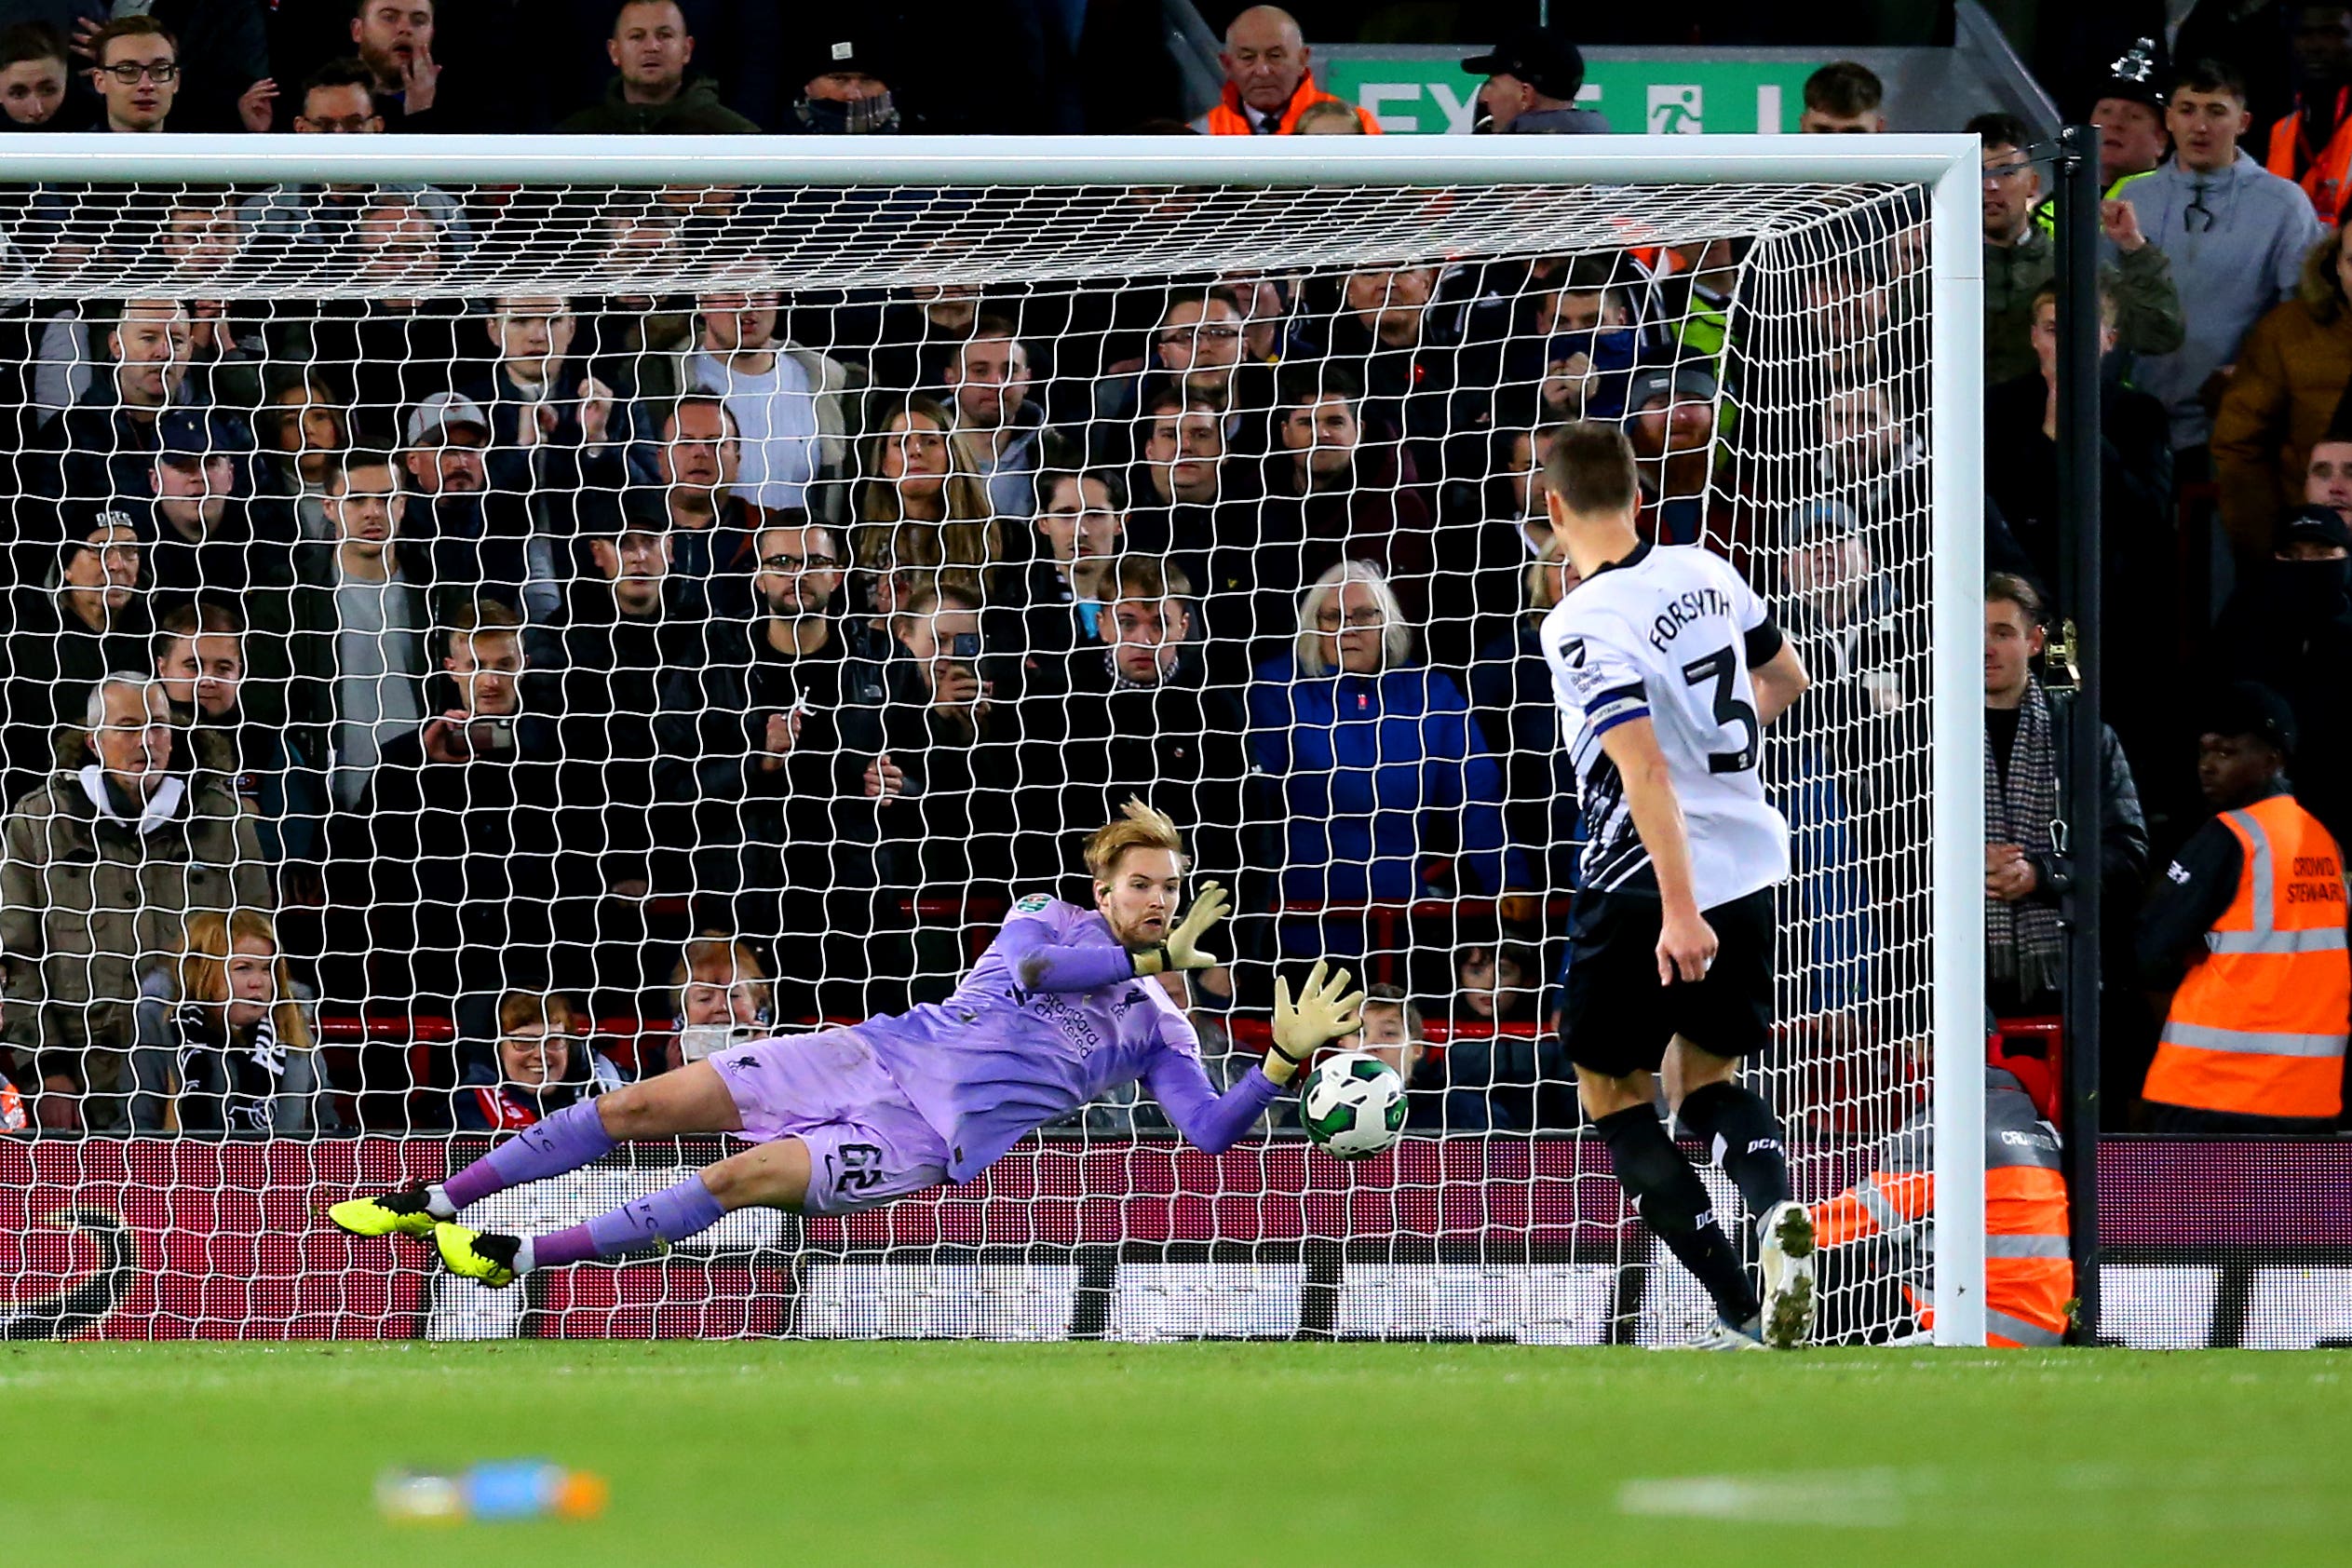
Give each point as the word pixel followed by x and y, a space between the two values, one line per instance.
pixel 670 1215
pixel 566 1140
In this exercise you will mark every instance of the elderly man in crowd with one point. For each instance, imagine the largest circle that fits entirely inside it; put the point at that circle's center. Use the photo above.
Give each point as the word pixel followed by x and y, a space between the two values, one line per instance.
pixel 1269 80
pixel 103 862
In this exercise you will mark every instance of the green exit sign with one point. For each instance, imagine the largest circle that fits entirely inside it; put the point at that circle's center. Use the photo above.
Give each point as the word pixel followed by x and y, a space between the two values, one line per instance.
pixel 1665 97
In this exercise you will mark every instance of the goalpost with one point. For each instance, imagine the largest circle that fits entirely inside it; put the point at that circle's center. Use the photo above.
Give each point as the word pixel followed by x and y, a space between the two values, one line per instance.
pixel 211 331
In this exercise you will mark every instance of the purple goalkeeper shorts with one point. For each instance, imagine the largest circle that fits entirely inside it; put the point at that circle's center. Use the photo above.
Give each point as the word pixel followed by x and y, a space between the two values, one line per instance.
pixel 866 1144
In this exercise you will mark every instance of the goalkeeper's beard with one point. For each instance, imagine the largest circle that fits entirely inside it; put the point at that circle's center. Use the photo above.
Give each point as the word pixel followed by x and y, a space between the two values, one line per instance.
pixel 1144 931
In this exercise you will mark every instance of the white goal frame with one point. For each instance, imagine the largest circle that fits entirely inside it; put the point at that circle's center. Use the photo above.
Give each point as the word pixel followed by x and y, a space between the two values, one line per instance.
pixel 1945 167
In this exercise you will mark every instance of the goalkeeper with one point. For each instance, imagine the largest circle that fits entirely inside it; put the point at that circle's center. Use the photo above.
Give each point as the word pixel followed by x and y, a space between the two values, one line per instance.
pixel 1058 1010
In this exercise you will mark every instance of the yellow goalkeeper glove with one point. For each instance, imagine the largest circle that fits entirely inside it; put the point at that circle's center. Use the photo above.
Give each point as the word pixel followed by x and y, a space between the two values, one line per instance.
pixel 1183 949
pixel 1324 1012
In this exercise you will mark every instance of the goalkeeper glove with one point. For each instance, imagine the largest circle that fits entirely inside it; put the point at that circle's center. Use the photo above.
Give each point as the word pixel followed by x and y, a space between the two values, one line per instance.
pixel 1324 1012
pixel 1183 949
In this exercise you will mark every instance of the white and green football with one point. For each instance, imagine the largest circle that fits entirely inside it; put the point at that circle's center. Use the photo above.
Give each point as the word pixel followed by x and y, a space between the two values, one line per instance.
pixel 1353 1105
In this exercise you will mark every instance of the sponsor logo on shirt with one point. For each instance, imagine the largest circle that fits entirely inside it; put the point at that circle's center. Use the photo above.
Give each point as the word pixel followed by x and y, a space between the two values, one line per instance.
pixel 1076 1026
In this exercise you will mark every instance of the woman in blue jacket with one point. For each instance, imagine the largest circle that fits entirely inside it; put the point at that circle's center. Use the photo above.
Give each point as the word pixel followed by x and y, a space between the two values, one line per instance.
pixel 1388 792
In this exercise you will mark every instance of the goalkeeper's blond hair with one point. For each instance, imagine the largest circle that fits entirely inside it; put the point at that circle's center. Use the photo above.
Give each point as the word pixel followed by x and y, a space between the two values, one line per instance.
pixel 1136 827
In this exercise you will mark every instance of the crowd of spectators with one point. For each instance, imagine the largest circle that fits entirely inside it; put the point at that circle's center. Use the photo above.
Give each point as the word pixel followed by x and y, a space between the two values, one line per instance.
pixel 2225 362
pixel 727 660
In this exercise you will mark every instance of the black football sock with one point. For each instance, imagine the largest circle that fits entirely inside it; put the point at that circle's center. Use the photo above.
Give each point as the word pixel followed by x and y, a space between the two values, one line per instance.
pixel 1669 1196
pixel 1743 1138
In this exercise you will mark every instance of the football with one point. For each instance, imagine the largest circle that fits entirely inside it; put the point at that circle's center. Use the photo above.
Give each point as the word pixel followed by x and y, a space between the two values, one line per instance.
pixel 1352 1105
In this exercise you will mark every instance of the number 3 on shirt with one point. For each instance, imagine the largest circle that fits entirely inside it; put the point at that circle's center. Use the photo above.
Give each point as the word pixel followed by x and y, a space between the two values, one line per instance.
pixel 1722 667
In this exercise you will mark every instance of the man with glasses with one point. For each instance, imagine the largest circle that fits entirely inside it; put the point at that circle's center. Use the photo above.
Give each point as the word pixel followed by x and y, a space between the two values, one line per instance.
pixel 1198 344
pixel 2236 236
pixel 2019 258
pixel 1200 349
pixel 339 99
pixel 137 76
pixel 775 743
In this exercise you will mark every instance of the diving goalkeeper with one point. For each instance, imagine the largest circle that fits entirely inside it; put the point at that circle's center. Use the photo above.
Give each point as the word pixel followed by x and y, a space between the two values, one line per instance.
pixel 1058 1010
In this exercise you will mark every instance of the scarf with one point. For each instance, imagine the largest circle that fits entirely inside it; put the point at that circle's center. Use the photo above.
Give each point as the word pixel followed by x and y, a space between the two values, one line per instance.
pixel 827 117
pixel 243 1074
pixel 2023 941
pixel 162 806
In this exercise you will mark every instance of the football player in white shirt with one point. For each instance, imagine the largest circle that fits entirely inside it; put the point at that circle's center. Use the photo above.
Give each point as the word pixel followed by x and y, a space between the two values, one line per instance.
pixel 1668 666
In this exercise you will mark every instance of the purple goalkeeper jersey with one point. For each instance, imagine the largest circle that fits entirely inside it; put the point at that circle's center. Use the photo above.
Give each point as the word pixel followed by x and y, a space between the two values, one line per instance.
pixel 1052 1017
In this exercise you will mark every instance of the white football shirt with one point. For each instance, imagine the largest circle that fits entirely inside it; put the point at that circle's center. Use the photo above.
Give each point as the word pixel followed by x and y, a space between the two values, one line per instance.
pixel 1667 634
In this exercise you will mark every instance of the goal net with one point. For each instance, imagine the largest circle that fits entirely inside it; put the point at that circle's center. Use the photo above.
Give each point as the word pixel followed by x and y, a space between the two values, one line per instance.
pixel 490 622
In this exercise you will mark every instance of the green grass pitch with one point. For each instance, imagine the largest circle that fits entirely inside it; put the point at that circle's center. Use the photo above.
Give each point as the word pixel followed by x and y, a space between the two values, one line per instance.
pixel 780 1454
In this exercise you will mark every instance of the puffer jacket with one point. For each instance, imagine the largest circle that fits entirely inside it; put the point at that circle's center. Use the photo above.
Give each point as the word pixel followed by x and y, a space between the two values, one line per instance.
pixel 1380 776
pixel 2291 372
pixel 88 903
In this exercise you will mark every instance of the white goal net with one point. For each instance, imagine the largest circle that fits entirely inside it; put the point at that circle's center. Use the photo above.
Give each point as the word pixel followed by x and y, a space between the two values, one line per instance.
pixel 474 641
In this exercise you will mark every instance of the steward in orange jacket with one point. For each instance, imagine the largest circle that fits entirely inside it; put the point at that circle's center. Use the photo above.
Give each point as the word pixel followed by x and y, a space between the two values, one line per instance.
pixel 2320 167
pixel 1228 118
pixel 2028 1276
pixel 2247 922
pixel 1269 79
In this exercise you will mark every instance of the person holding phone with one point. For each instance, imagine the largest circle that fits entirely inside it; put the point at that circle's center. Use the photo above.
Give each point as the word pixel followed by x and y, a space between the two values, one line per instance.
pixel 964 743
pixel 483 854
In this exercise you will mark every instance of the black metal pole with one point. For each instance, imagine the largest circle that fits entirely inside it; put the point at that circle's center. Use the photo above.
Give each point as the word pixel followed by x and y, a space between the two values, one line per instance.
pixel 2078 444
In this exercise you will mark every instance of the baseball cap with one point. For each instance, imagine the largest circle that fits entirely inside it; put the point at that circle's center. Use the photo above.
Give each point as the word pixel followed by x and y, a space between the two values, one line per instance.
pixel 2249 707
pixel 1818 522
pixel 439 412
pixel 182 432
pixel 2318 525
pixel 1687 381
pixel 1552 66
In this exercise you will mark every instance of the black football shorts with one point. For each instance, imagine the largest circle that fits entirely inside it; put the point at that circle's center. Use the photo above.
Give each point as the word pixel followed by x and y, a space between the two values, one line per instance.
pixel 1616 1019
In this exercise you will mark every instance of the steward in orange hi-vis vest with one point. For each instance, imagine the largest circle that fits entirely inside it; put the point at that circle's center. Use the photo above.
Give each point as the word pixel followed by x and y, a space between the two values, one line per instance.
pixel 2028 1276
pixel 2248 919
pixel 2320 167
